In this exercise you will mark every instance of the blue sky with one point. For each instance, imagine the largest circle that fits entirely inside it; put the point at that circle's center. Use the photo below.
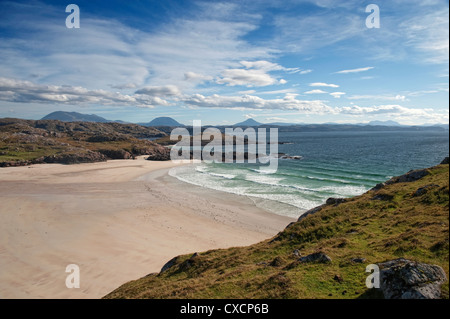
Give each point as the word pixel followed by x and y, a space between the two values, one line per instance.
pixel 304 61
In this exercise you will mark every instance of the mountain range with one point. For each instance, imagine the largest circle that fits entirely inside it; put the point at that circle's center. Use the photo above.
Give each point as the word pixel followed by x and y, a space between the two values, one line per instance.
pixel 170 122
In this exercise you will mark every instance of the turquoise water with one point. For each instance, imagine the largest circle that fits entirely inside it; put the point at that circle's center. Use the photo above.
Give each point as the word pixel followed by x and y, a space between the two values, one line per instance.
pixel 333 164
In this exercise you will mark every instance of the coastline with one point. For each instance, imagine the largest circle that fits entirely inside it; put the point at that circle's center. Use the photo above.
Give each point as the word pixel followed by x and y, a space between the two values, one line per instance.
pixel 117 220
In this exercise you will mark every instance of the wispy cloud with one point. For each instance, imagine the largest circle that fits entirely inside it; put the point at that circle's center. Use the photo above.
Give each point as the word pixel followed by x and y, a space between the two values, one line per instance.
pixel 324 84
pixel 355 70
pixel 316 92
pixel 378 97
pixel 337 95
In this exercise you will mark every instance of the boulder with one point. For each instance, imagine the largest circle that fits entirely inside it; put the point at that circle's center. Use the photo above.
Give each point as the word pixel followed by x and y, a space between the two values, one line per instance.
pixel 406 279
pixel 169 264
pixel 423 190
pixel 310 212
pixel 445 161
pixel 318 257
pixel 359 260
pixel 335 201
pixel 159 153
pixel 411 176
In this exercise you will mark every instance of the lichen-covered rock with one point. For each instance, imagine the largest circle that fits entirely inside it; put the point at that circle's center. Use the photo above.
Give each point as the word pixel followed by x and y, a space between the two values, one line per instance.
pixel 406 279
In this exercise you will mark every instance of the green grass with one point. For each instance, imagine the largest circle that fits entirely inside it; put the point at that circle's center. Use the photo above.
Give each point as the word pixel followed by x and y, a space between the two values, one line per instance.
pixel 400 225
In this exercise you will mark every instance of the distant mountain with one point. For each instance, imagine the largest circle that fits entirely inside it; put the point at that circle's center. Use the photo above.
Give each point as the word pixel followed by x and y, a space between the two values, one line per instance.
pixel 249 122
pixel 283 124
pixel 162 121
pixel 384 123
pixel 74 117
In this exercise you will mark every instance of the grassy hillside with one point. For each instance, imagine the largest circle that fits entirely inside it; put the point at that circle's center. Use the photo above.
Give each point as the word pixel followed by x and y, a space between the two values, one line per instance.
pixel 402 219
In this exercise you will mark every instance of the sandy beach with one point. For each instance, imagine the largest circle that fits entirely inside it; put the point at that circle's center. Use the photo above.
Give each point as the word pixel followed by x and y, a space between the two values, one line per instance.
pixel 117 220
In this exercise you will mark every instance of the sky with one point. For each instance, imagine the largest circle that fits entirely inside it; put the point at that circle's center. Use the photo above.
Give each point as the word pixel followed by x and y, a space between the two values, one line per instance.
pixel 221 62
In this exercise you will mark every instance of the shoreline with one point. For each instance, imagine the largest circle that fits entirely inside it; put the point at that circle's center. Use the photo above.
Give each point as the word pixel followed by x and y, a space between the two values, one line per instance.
pixel 118 220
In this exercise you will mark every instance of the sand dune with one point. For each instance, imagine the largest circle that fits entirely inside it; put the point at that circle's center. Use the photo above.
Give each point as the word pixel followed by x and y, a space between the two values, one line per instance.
pixel 117 221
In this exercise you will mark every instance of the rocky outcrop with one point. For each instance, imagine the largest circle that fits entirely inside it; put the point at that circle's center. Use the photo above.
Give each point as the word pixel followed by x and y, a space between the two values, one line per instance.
pixel 409 177
pixel 158 153
pixel 423 190
pixel 335 201
pixel 318 257
pixel 329 202
pixel 406 279
pixel 311 212
pixel 116 154
pixel 169 264
pixel 76 158
pixel 445 161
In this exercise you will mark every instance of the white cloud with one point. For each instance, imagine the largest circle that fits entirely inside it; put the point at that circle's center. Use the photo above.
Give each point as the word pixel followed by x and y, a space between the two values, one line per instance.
pixel 289 102
pixel 249 78
pixel 337 95
pixel 378 97
pixel 254 74
pixel 167 90
pixel 355 70
pixel 124 86
pixel 305 71
pixel 324 84
pixel 27 92
pixel 316 92
pixel 192 76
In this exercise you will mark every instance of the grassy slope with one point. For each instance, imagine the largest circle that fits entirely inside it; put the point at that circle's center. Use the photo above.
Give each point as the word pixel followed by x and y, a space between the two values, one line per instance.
pixel 22 140
pixel 400 225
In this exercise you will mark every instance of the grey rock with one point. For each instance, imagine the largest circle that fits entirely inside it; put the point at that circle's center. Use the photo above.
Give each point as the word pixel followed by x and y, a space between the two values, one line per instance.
pixel 406 279
pixel 169 264
pixel 318 257
pixel 310 212
pixel 411 176
pixel 359 260
pixel 423 190
pixel 335 201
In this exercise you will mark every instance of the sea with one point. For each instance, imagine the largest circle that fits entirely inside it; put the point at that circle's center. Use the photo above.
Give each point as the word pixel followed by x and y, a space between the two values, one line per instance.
pixel 332 164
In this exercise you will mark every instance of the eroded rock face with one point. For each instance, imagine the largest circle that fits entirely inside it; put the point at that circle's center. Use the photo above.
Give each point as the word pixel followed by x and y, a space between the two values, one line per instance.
pixel 406 279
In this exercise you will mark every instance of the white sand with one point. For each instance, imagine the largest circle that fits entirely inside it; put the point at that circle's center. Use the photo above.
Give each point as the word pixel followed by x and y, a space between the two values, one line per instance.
pixel 118 221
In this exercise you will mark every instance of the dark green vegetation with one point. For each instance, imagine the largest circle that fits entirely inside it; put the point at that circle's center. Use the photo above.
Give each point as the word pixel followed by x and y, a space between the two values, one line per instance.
pixel 406 218
pixel 25 142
